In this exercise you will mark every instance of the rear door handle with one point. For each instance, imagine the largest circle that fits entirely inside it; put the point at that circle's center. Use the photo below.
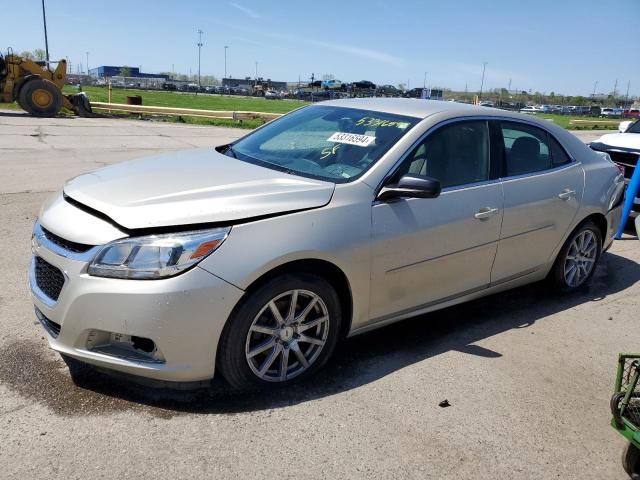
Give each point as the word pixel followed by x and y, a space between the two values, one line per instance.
pixel 486 212
pixel 566 194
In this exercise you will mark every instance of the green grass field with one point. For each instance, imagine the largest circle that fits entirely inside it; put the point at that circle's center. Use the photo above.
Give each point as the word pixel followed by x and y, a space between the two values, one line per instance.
pixel 191 100
pixel 594 123
pixel 239 103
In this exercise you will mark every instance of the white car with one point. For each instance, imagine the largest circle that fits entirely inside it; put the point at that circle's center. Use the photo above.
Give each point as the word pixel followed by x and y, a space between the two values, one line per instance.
pixel 607 112
pixel 624 149
pixel 530 109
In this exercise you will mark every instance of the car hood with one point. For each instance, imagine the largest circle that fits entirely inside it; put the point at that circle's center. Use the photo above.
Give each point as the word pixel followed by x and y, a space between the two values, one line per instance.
pixel 625 141
pixel 193 187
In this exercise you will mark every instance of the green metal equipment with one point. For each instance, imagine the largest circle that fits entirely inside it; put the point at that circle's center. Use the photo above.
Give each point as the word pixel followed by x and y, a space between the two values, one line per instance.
pixel 625 407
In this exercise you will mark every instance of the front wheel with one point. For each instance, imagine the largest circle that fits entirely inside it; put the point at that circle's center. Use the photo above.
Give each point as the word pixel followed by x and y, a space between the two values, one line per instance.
pixel 282 332
pixel 576 263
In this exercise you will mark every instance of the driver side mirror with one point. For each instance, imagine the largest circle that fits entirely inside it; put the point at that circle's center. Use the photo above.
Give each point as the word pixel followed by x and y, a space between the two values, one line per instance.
pixel 411 186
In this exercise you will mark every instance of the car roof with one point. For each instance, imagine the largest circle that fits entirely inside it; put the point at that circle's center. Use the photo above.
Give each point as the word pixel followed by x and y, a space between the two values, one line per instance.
pixel 416 107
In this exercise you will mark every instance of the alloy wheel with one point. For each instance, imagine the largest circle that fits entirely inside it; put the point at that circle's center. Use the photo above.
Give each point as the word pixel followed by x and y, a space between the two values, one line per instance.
pixel 287 335
pixel 581 258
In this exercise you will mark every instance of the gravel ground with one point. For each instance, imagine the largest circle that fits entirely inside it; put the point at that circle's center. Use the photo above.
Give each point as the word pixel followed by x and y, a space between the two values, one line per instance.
pixel 528 374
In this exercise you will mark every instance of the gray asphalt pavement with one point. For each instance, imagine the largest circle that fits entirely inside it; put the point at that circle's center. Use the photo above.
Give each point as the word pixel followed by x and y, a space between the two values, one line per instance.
pixel 528 373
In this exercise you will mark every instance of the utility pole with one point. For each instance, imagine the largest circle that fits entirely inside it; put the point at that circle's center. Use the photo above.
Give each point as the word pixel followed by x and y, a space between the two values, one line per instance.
pixel 200 32
pixel 595 85
pixel 424 82
pixel 256 70
pixel 626 97
pixel 87 62
pixel 484 66
pixel 615 88
pixel 225 60
pixel 46 40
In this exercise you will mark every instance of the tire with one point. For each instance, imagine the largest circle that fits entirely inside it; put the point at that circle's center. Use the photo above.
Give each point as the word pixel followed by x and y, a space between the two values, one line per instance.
pixel 256 344
pixel 40 97
pixel 631 460
pixel 582 250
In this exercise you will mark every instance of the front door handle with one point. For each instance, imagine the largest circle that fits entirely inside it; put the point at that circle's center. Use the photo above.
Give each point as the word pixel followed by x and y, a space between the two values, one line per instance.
pixel 485 212
pixel 566 194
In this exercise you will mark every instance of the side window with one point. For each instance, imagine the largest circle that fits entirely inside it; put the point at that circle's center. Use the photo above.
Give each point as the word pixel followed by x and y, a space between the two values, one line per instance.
pixel 526 148
pixel 558 155
pixel 455 154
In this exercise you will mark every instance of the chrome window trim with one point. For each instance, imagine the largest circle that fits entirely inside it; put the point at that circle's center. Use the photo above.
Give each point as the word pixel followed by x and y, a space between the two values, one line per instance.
pixel 539 173
pixel 487 118
pixel 39 239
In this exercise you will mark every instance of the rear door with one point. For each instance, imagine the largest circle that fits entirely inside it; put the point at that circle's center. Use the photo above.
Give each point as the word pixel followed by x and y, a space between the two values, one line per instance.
pixel 542 188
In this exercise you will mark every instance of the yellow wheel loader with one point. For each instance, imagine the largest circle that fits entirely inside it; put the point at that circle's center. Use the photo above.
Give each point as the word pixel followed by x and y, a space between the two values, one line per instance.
pixel 37 88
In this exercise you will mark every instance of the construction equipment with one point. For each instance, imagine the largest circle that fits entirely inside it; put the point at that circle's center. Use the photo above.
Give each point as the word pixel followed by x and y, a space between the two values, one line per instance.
pixel 37 88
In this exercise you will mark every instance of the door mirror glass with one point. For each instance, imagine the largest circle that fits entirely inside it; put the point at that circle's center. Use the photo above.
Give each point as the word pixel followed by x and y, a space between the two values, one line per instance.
pixel 411 186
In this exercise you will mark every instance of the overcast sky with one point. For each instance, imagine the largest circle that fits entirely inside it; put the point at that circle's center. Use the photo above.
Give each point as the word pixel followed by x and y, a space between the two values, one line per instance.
pixel 547 45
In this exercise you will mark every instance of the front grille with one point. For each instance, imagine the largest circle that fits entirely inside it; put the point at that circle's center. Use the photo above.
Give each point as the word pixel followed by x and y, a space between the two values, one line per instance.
pixel 66 244
pixel 49 279
pixel 49 325
pixel 628 160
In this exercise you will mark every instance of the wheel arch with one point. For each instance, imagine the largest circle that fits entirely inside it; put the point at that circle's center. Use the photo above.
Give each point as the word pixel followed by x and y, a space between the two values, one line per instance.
pixel 322 268
pixel 22 82
pixel 599 219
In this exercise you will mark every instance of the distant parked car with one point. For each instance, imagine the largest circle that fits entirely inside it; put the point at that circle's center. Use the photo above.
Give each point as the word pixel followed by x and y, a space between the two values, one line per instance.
pixel 387 91
pixel 487 103
pixel 632 113
pixel 331 84
pixel 272 95
pixel 531 109
pixel 413 93
pixel 607 112
pixel 363 85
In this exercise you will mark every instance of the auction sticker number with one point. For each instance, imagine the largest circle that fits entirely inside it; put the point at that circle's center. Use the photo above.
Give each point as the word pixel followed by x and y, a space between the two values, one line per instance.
pixel 351 139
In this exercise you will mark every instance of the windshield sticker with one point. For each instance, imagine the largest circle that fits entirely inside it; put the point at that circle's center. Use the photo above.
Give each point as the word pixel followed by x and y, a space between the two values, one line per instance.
pixel 327 152
pixel 352 139
pixel 379 122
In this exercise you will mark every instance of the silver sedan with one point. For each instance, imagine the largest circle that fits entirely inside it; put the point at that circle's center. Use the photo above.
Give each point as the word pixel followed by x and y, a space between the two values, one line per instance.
pixel 254 259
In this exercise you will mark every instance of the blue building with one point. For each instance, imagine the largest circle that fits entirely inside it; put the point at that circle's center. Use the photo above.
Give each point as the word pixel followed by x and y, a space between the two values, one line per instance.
pixel 111 71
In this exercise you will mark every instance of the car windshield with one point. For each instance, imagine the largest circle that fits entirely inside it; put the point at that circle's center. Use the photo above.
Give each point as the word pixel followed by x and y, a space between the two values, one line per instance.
pixel 634 127
pixel 329 143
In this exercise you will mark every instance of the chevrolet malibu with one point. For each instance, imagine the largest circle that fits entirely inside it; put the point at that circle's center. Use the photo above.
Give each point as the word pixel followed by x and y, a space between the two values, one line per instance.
pixel 253 259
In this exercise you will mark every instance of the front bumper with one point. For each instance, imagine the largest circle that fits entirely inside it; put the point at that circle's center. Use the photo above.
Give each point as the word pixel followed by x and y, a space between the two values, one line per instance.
pixel 183 316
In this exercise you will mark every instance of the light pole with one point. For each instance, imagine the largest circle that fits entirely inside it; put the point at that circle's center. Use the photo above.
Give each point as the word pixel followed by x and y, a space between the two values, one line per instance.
pixel 626 97
pixel 87 62
pixel 424 82
pixel 484 66
pixel 200 32
pixel 225 60
pixel 595 85
pixel 46 40
pixel 256 71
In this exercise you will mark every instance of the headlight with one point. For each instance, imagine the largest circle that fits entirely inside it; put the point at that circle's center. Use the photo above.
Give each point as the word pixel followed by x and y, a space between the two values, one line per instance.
pixel 155 256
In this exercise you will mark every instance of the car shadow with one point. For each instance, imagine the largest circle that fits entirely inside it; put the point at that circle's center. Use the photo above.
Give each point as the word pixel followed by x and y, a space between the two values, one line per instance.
pixel 371 356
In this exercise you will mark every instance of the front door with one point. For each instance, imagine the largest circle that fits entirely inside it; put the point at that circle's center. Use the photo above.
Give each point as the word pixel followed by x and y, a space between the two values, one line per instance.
pixel 426 250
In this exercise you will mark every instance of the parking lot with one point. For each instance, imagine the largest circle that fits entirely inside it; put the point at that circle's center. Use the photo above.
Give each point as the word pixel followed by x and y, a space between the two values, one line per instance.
pixel 528 374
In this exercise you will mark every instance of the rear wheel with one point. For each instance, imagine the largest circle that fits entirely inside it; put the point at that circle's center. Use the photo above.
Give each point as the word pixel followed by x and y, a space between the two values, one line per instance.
pixel 284 331
pixel 40 97
pixel 576 263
